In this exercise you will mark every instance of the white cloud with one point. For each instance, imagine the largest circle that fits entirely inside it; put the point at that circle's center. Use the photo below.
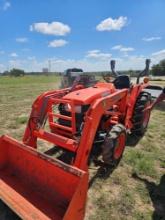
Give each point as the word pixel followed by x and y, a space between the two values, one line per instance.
pixel 97 54
pixel 84 63
pixel 93 51
pixel 117 47
pixel 54 28
pixel 57 43
pixel 31 58
pixel 33 64
pixel 122 48
pixel 132 62
pixel 2 67
pixel 149 39
pixel 22 39
pixel 137 58
pixel 16 64
pixel 127 49
pixel 159 53
pixel 6 5
pixel 13 55
pixel 94 60
pixel 57 64
pixel 157 56
pixel 111 24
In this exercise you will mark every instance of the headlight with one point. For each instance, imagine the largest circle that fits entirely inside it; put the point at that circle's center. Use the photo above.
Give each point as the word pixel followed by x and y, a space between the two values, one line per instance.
pixel 67 107
pixel 78 108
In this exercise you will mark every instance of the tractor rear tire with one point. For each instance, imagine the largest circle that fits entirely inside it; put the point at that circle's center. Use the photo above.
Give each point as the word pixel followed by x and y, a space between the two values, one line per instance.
pixel 114 145
pixel 6 213
pixel 140 117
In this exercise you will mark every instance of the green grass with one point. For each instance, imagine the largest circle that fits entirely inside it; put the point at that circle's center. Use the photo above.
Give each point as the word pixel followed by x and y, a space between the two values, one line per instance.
pixel 16 97
pixel 128 197
pixel 142 163
pixel 19 81
pixel 21 120
pixel 120 197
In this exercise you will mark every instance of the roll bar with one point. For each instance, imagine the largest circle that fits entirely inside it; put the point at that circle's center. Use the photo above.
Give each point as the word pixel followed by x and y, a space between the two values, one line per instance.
pixel 145 72
pixel 112 64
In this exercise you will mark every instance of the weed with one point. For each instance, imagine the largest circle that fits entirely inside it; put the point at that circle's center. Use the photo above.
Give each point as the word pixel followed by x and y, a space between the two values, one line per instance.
pixel 21 120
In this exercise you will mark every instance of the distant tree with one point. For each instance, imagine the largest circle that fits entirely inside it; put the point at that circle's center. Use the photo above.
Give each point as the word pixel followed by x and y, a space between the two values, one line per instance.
pixel 159 69
pixel 6 73
pixel 130 72
pixel 162 65
pixel 17 72
pixel 156 70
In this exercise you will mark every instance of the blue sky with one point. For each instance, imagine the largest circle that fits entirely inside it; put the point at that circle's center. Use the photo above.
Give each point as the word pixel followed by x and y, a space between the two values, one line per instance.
pixel 76 33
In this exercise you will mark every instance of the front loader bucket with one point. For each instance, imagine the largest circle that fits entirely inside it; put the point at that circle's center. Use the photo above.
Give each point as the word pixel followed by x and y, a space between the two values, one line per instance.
pixel 38 187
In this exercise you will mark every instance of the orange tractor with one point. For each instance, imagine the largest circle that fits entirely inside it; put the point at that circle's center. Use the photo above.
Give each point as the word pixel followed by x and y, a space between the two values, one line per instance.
pixel 85 124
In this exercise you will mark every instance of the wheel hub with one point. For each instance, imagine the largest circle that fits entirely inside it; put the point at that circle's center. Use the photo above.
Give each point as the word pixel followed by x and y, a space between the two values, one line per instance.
pixel 119 146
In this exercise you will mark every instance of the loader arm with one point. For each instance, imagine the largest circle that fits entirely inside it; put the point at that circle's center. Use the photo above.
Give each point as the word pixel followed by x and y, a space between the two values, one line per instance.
pixel 159 98
pixel 92 120
pixel 38 115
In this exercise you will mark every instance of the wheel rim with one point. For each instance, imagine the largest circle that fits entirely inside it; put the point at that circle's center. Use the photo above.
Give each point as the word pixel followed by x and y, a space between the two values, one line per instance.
pixel 119 146
pixel 146 115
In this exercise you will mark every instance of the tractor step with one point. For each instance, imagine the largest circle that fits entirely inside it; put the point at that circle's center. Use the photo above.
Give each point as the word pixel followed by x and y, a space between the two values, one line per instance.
pixel 66 143
pixel 35 186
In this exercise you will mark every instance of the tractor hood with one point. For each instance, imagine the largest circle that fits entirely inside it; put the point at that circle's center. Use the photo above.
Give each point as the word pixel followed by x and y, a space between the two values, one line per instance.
pixel 87 95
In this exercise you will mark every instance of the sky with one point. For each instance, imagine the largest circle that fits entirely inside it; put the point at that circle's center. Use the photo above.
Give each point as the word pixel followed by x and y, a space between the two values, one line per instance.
pixel 86 34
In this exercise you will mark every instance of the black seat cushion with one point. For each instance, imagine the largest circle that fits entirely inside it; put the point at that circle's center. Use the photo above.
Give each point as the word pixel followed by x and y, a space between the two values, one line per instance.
pixel 122 82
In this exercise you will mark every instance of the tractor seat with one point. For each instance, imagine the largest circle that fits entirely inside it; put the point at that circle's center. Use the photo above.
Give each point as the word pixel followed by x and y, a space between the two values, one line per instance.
pixel 122 82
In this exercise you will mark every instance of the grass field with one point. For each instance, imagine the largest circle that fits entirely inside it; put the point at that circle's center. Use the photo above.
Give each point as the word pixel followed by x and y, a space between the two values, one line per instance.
pixel 135 190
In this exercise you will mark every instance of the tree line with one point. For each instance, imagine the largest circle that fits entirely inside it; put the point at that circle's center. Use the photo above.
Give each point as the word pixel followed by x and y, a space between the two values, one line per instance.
pixel 14 72
pixel 156 70
pixel 159 69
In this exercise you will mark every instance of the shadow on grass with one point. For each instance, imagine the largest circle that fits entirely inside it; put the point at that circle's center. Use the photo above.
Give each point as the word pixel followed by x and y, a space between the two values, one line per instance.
pixel 157 195
pixel 160 106
pixel 103 172
pixel 133 140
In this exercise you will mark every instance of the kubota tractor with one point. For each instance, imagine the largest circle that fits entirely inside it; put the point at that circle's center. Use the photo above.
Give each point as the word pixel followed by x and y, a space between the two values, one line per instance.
pixel 70 76
pixel 85 124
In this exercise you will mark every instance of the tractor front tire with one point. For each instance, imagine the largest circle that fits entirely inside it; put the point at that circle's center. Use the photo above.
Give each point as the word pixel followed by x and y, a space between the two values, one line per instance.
pixel 140 117
pixel 114 145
